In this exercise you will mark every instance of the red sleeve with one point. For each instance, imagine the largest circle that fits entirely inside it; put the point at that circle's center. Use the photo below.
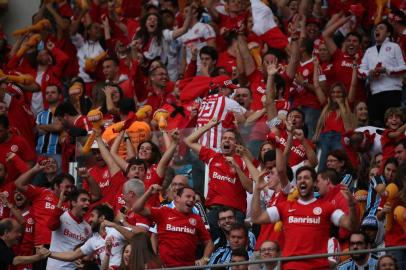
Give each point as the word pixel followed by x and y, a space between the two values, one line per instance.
pixel 157 213
pixel 33 192
pixel 385 138
pixel 203 234
pixel 12 63
pixel 18 164
pixel 55 219
pixel 206 154
pixel 61 59
pixel 191 69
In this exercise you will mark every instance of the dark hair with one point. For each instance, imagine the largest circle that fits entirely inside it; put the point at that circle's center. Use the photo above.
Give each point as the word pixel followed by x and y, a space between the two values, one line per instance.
pixel 330 174
pixel 4 121
pixel 276 52
pixel 74 195
pixel 65 108
pixel 238 226
pixel 307 44
pixel 143 33
pixel 60 177
pixel 179 192
pixel 299 111
pixel 114 59
pixel 230 38
pixel 6 225
pixel 367 240
pixel 135 161
pixel 391 160
pixel 307 168
pixel 104 210
pixel 341 155
pixel 354 34
pixel 209 50
pixel 389 27
pixel 387 256
pixel 401 142
pixel 58 89
pixel 223 209
pixel 240 252
pixel 270 155
pixel 126 105
pixel 156 153
pixel 141 252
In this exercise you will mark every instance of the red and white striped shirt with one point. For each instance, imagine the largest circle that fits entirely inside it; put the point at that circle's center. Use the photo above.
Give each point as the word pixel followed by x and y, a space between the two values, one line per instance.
pixel 215 106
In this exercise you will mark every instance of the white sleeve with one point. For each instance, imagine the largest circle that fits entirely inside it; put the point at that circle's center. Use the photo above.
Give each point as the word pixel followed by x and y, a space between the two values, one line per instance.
pixel 88 247
pixel 167 34
pixel 400 65
pixel 208 32
pixel 262 17
pixel 273 214
pixel 364 67
pixel 7 99
pixel 233 106
pixel 336 216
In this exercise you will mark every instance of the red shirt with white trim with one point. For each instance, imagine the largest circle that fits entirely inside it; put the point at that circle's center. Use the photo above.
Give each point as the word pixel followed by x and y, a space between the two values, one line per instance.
pixel 178 235
pixel 102 177
pixel 152 178
pixel 43 202
pixel 303 223
pixel 8 189
pixel 26 247
pixel 225 187
pixel 297 151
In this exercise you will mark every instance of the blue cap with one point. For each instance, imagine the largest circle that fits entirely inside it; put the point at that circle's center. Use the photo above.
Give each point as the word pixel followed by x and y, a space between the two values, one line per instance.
pixel 370 222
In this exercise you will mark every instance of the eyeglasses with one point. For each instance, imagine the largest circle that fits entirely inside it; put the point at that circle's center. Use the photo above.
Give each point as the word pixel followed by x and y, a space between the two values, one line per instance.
pixel 270 249
pixel 357 243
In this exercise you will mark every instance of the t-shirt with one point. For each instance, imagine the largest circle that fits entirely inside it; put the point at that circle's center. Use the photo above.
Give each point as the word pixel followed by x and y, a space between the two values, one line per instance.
pixel 225 187
pixel 71 233
pixel 297 153
pixel 102 177
pixel 303 223
pixel 26 247
pixel 19 146
pixel 8 189
pixel 6 255
pixel 178 235
pixel 114 189
pixel 97 244
pixel 215 106
pixel 44 202
pixel 152 178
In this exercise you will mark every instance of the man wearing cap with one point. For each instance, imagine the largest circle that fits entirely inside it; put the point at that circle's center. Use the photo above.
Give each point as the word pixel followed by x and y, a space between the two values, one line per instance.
pixel 375 230
pixel 359 241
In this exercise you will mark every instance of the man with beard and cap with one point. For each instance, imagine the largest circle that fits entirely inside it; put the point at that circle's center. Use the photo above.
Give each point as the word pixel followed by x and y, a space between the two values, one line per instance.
pixel 228 175
pixel 304 220
pixel 179 229
pixel 68 227
pixel 364 261
pixel 96 243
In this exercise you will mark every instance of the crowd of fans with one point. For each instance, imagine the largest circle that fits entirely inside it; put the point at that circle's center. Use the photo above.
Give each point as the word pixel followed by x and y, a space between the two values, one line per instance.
pixel 144 134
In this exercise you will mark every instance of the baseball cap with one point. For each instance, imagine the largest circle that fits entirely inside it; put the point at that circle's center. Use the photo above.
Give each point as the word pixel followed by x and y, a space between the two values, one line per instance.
pixel 370 222
pixel 224 81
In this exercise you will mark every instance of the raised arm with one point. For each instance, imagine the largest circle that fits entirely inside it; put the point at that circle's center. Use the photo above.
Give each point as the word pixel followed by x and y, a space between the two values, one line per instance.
pixel 24 179
pixel 281 166
pixel 350 221
pixel 258 216
pixel 60 21
pixel 330 30
pixel 94 188
pixel 182 30
pixel 245 181
pixel 248 61
pixel 191 140
pixel 168 155
pixel 111 164
pixel 270 90
pixel 139 206
pixel 128 234
pixel 114 151
pixel 354 81
pixel 317 89
pixel 211 8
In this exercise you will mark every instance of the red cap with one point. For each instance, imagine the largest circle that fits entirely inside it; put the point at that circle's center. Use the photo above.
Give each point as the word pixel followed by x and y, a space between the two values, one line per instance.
pixel 223 81
pixel 313 20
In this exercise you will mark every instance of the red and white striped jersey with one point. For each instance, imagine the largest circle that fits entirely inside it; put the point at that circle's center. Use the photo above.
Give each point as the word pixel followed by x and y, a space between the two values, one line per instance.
pixel 215 106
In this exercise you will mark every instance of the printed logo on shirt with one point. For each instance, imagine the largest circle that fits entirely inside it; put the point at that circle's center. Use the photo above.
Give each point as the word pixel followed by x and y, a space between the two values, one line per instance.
pixel 261 90
pixel 317 211
pixel 30 221
pixel 303 220
pixel 223 178
pixel 306 72
pixel 192 221
pixel 183 229
pixel 14 148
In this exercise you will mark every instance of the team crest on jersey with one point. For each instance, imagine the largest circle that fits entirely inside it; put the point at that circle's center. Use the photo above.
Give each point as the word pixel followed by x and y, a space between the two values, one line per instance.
pixel 30 221
pixel 217 164
pixel 48 198
pixel 306 72
pixel 14 148
pixel 317 211
pixel 192 221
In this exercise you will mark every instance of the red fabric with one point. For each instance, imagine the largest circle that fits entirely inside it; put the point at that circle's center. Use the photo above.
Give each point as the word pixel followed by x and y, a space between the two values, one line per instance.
pixel 227 61
pixel 152 178
pixel 225 187
pixel 333 123
pixel 20 147
pixel 297 153
pixel 137 220
pixel 44 202
pixel 199 86
pixel 54 221
pixel 176 247
pixel 8 189
pixel 342 72
pixel 26 247
pixel 191 69
pixel 275 38
pixel 102 177
pixel 388 145
pixel 300 235
pixel 113 190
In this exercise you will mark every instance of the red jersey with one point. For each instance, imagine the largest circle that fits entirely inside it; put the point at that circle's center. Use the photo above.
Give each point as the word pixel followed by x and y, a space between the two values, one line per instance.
pixel 333 123
pixel 114 189
pixel 102 177
pixel 178 235
pixel 302 96
pixel 43 202
pixel 137 220
pixel 388 144
pixel 304 222
pixel 83 123
pixel 20 147
pixel 297 153
pixel 26 247
pixel 8 189
pixel 225 187
pixel 267 230
pixel 342 69
pixel 151 178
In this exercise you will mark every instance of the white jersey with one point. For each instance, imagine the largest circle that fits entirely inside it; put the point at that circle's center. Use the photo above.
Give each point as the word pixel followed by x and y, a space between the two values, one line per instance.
pixel 215 106
pixel 96 244
pixel 196 36
pixel 67 237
